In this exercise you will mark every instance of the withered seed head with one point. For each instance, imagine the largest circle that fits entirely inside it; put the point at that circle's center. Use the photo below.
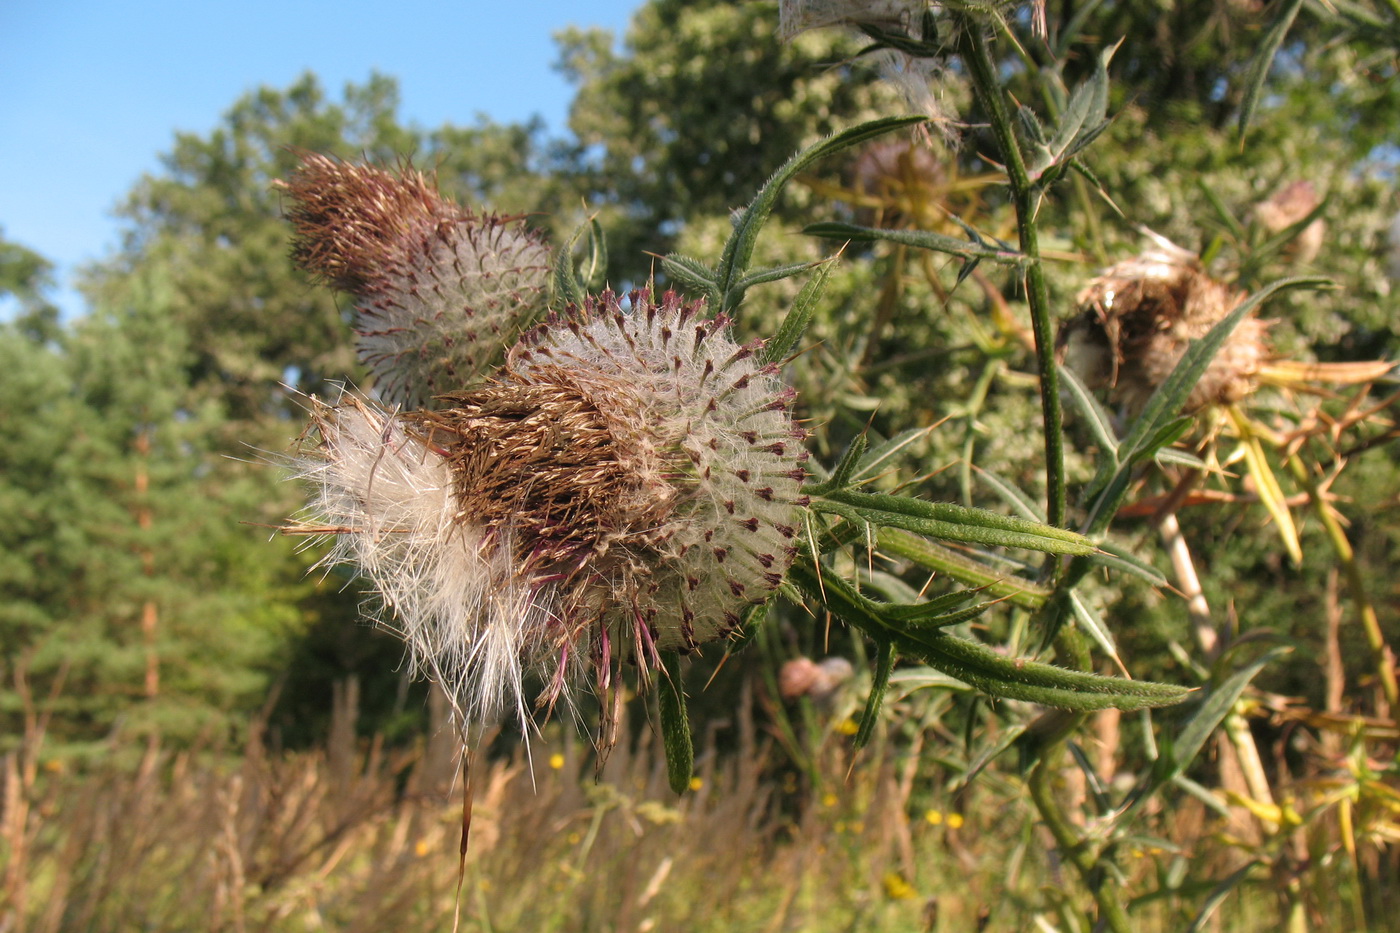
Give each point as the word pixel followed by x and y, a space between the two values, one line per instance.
pixel 1137 318
pixel 354 224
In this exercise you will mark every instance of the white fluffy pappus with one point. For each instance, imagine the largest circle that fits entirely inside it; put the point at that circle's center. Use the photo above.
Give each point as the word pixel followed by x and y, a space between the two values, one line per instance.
pixel 387 499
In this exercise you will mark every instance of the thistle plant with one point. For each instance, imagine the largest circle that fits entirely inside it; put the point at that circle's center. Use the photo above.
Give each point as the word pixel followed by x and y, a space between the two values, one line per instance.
pixel 627 486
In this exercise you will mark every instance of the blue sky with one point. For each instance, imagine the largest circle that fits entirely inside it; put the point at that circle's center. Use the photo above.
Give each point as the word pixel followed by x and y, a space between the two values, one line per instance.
pixel 94 90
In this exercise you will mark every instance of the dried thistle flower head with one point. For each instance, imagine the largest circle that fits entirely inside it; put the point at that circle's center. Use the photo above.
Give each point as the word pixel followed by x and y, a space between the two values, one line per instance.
pixel 1137 318
pixel 441 291
pixel 629 483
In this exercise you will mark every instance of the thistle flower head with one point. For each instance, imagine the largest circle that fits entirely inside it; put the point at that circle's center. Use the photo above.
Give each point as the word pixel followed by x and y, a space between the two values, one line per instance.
pixel 440 291
pixel 628 483
pixel 1137 318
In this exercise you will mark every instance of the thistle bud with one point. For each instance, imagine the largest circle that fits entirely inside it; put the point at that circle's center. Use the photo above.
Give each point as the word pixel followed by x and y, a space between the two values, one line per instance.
pixel 440 291
pixel 628 483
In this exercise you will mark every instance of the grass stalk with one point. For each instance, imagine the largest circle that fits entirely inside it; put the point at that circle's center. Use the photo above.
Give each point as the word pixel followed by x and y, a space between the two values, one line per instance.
pixel 1381 654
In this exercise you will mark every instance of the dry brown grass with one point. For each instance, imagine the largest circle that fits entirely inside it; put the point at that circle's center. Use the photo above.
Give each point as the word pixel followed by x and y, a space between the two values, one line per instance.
pixel 356 838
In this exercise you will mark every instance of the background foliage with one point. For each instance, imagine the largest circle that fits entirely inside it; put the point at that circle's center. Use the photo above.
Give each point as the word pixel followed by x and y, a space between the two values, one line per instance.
pixel 141 599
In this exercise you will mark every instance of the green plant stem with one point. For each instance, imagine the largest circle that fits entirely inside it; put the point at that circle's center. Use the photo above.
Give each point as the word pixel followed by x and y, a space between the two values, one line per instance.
pixel 972 44
pixel 1381 654
pixel 1111 910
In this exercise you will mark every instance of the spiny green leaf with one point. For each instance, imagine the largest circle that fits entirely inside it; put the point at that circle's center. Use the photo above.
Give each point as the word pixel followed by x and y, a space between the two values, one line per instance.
pixel 951 522
pixel 1011 495
pixel 980 666
pixel 775 274
pixel 1120 558
pixel 880 682
pixel 568 290
pixel 931 556
pixel 691 274
pixel 800 315
pixel 841 475
pixel 881 456
pixel 1216 705
pixel 1090 622
pixel 1099 420
pixel 738 249
pixel 1263 60
pixel 922 239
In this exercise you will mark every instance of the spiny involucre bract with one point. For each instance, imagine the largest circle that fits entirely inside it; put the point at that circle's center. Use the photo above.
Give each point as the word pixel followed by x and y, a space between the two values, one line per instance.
pixel 440 290
pixel 627 484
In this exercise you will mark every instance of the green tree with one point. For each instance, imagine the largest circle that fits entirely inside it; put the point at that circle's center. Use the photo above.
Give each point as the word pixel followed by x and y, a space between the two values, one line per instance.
pixel 133 597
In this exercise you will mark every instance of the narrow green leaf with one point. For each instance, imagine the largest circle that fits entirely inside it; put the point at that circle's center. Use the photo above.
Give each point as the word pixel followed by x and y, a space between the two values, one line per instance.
pixel 1165 436
pixel 1120 558
pixel 594 275
pixel 951 522
pixel 567 288
pixel 880 682
pixel 1178 457
pixel 965 270
pixel 1091 778
pixel 1020 679
pixel 1011 495
pixel 738 250
pixel 675 727
pixel 991 751
pixel 880 457
pixel 922 239
pixel 1278 241
pixel 800 315
pixel 840 476
pixel 691 274
pixel 1035 130
pixel 980 666
pixel 1258 70
pixel 1090 622
pixel 1095 415
pixel 1070 31
pixel 909 679
pixel 922 616
pixel 1216 705
pixel 1222 212
pixel 775 274
pixel 1218 894
pixel 931 556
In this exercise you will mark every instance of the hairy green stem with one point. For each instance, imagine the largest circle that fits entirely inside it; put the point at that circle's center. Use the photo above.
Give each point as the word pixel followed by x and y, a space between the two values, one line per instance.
pixel 1073 848
pixel 972 44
